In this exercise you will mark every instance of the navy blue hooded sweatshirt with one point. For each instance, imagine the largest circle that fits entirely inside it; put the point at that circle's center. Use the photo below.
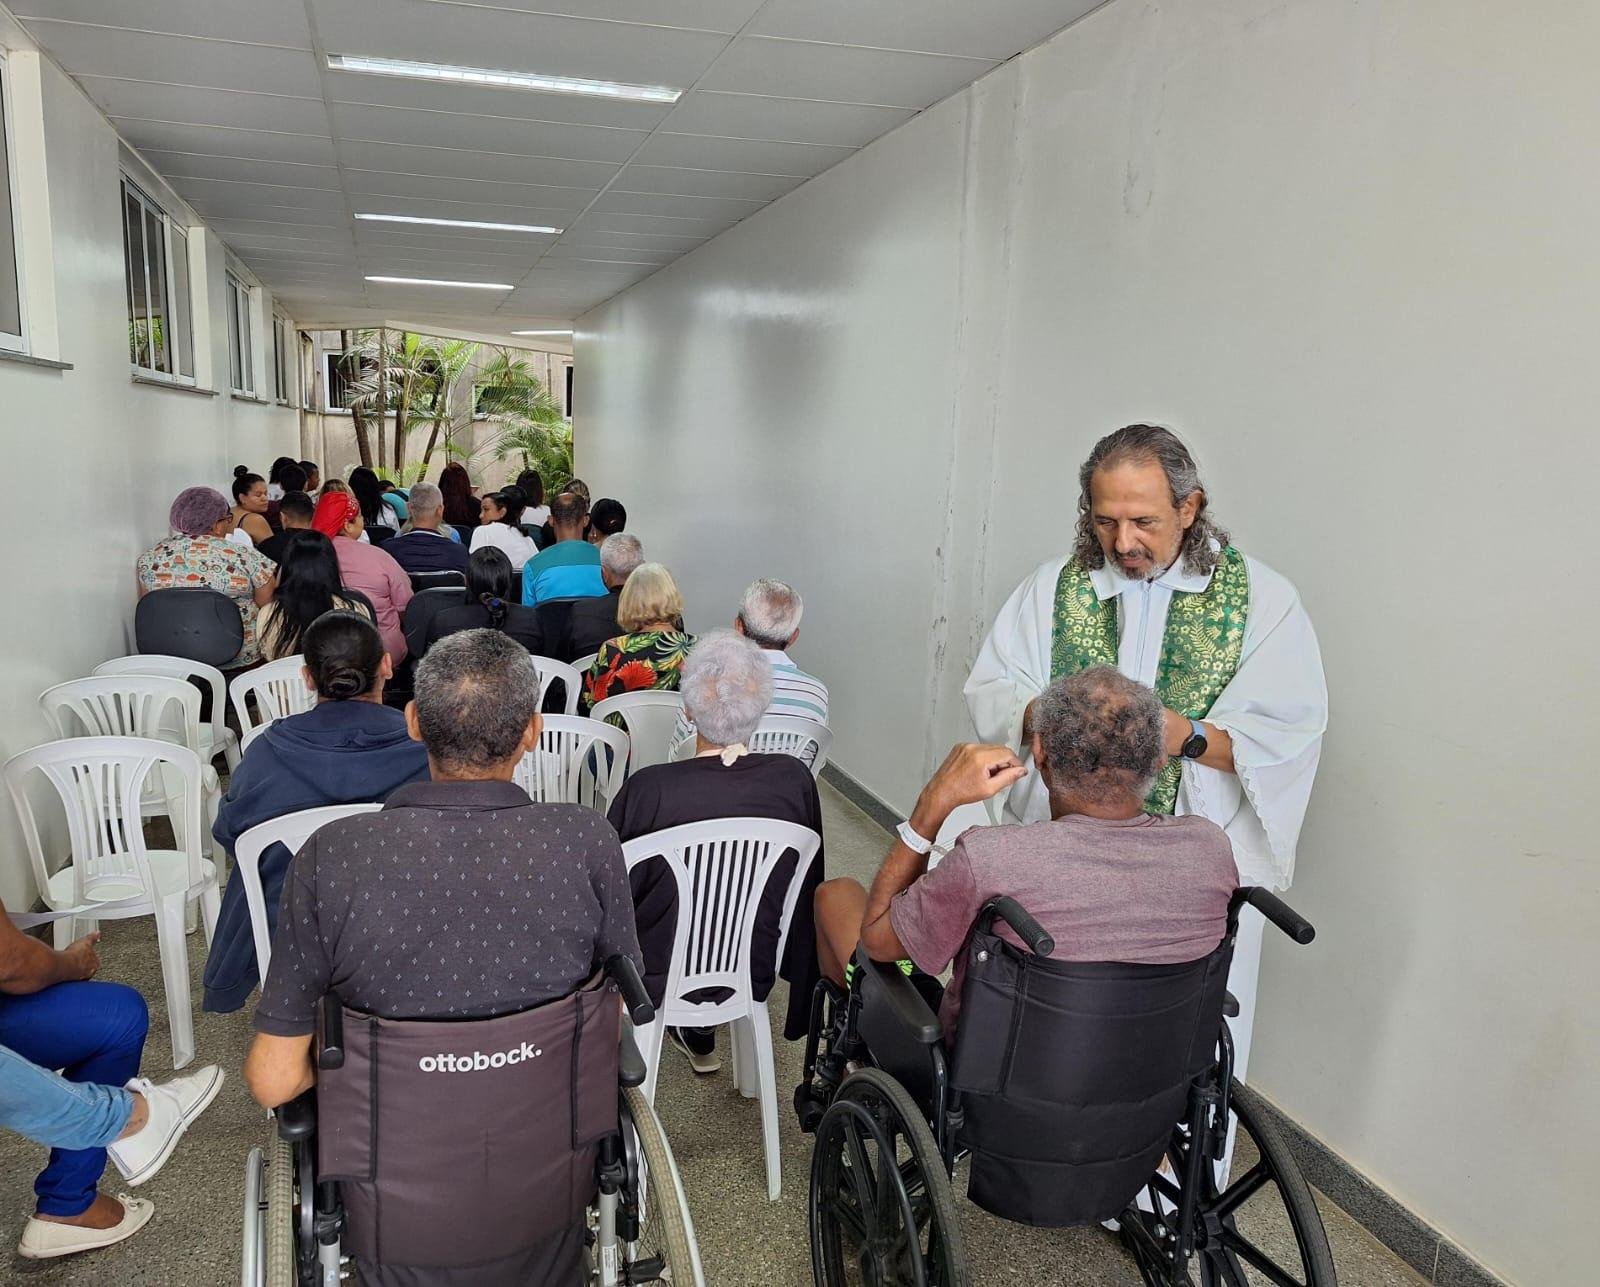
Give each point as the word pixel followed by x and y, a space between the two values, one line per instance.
pixel 336 753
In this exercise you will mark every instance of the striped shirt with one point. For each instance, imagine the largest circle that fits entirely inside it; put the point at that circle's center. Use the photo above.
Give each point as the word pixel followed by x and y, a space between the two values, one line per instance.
pixel 793 693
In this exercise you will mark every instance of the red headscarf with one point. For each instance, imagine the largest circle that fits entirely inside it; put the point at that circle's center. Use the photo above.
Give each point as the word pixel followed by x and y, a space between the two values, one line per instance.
pixel 334 510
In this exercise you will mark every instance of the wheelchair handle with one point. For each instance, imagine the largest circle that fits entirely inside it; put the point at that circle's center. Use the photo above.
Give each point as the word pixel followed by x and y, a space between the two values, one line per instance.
pixel 626 974
pixel 330 1033
pixel 1275 910
pixel 1013 914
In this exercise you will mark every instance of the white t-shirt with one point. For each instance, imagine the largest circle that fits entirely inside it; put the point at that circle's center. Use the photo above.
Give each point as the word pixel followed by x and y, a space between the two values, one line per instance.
pixel 517 547
pixel 536 515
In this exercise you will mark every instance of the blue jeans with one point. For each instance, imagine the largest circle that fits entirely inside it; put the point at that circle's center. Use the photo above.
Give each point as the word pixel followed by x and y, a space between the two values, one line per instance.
pixel 94 1033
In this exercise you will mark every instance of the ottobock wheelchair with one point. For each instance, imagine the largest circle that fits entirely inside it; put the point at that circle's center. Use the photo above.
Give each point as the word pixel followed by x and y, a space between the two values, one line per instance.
pixel 500 1150
pixel 1078 1093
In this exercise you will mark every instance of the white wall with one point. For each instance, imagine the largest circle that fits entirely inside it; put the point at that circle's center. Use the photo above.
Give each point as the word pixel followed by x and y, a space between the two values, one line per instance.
pixel 94 459
pixel 1348 250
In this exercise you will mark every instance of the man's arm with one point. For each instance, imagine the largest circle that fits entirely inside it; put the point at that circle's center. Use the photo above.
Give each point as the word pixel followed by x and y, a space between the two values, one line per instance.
pixel 278 1068
pixel 27 965
pixel 970 774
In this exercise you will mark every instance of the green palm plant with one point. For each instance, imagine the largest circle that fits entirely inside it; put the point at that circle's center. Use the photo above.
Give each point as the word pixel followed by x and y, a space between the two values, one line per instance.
pixel 414 377
pixel 527 419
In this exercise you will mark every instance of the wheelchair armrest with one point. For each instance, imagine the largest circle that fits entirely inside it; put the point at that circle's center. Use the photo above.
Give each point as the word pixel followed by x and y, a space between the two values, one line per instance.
pixel 622 969
pixel 1275 910
pixel 1230 1005
pixel 896 1001
pixel 1015 915
pixel 330 1033
pixel 631 1070
pixel 297 1120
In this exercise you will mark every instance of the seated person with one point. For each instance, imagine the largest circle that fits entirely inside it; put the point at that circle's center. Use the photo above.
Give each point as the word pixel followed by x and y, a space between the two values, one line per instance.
pixel 727 684
pixel 500 527
pixel 1106 880
pixel 52 1017
pixel 769 616
pixel 309 584
pixel 249 508
pixel 569 567
pixel 366 568
pixel 462 510
pixel 286 477
pixel 607 517
pixel 650 652
pixel 425 546
pixel 347 749
pixel 594 620
pixel 489 605
pixel 294 515
pixel 200 557
pixel 536 513
pixel 510 935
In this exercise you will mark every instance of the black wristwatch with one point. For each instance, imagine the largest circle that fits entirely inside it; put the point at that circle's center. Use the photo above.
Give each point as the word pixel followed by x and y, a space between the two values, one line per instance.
pixel 1195 747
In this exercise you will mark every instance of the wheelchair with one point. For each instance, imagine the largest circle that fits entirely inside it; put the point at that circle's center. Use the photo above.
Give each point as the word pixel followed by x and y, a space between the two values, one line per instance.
pixel 1077 1093
pixel 463 1147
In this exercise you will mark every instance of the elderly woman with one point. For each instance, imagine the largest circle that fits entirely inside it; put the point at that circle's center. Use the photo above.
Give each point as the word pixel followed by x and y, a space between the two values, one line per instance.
pixel 366 568
pixel 727 686
pixel 650 652
pixel 200 557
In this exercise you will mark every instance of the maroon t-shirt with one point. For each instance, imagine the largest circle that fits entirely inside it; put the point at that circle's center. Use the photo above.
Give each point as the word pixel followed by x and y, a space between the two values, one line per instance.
pixel 1146 890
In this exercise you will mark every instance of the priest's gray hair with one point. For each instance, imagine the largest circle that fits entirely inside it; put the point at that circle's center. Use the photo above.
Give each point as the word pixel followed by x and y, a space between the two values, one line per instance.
pixel 1104 735
pixel 770 611
pixel 726 686
pixel 1143 444
pixel 476 691
pixel 620 553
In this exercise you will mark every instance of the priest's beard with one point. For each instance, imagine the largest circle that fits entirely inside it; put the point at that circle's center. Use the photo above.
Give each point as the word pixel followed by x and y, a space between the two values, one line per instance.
pixel 1153 571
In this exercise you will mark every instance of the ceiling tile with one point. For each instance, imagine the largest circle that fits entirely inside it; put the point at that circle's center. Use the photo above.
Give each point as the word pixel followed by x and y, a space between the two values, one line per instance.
pixel 615 202
pixel 277 218
pixel 507 40
pixel 632 240
pixel 176 165
pixel 841 73
pixel 753 156
pixel 755 116
pixel 475 100
pixel 613 221
pixel 519 245
pixel 705 183
pixel 258 195
pixel 244 20
pixel 258 145
pixel 144 100
pixel 462 163
pixel 468 195
pixel 176 60
pixel 458 203
pixel 707 15
pixel 485 133
pixel 994 31
pixel 601 255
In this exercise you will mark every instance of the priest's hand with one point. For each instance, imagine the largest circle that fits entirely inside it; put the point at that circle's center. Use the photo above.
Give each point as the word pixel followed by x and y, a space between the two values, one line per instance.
pixel 971 773
pixel 1178 731
pixel 1219 744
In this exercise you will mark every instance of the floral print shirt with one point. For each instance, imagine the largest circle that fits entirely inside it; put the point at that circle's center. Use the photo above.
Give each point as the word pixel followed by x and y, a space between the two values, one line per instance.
pixel 630 663
pixel 211 563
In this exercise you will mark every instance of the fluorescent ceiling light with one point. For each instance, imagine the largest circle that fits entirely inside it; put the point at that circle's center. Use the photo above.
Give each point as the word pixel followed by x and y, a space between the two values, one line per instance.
pixel 503 79
pixel 428 281
pixel 459 223
pixel 541 332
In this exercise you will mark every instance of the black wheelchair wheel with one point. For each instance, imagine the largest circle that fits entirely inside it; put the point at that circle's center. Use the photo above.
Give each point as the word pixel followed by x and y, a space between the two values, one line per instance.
pixel 882 1213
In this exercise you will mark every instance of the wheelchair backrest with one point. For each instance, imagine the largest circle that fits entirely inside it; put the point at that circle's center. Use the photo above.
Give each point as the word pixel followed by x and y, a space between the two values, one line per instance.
pixel 1073 1075
pixel 461 1143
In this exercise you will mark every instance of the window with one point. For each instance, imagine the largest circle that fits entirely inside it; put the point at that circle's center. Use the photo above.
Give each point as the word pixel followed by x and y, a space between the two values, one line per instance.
pixel 339 372
pixel 282 359
pixel 160 335
pixel 241 356
pixel 10 274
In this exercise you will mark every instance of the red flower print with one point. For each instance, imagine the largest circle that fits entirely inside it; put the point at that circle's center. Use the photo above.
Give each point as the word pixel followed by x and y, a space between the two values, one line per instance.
pixel 636 674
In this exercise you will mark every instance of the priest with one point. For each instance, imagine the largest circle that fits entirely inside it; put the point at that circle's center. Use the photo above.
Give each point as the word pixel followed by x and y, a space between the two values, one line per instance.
pixel 1153 587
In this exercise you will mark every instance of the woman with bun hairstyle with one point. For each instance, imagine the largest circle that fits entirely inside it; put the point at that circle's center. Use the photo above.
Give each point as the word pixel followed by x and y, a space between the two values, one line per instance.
pixel 501 527
pixel 250 506
pixel 490 603
pixel 309 584
pixel 347 749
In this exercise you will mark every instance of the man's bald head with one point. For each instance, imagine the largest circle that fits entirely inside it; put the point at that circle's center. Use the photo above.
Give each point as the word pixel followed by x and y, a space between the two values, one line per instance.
pixel 567 512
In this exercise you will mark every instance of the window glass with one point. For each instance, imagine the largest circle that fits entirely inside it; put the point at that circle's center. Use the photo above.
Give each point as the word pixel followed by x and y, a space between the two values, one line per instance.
pixel 156 260
pixel 155 251
pixel 182 331
pixel 138 293
pixel 10 283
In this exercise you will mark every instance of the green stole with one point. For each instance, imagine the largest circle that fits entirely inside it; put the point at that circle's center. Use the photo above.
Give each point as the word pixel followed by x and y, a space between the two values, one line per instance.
pixel 1200 647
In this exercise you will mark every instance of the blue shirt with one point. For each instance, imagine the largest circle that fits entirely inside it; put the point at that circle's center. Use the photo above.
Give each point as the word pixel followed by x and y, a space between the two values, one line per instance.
pixel 567 570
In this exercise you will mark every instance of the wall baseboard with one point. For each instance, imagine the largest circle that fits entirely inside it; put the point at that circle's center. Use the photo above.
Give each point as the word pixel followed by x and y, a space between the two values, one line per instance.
pixel 1401 1230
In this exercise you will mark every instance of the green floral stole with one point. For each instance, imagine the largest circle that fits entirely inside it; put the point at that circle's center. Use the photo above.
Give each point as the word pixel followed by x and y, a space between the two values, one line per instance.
pixel 1200 647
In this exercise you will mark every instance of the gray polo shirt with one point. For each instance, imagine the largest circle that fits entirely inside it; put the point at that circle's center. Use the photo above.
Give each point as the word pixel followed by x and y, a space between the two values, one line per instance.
pixel 459 900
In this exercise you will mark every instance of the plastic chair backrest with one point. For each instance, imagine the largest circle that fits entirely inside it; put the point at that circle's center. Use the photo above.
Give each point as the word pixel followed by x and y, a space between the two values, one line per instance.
pixel 649 718
pixel 292 830
pixel 100 781
pixel 578 761
pixel 178 668
pixel 551 670
pixel 153 706
pixel 203 625
pixel 722 868
pixel 279 688
pixel 425 605
pixel 582 664
pixel 805 739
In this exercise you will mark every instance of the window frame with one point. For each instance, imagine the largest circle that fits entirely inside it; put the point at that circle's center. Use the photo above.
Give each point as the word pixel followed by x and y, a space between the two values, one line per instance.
pixel 176 327
pixel 283 371
pixel 241 338
pixel 330 357
pixel 9 342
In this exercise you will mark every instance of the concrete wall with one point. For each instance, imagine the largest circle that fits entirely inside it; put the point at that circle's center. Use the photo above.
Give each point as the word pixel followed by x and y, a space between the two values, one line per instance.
pixel 93 458
pixel 1347 250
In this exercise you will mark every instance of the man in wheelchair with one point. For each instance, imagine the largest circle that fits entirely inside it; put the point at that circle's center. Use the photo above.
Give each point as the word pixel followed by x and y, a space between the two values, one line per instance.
pixel 1095 1086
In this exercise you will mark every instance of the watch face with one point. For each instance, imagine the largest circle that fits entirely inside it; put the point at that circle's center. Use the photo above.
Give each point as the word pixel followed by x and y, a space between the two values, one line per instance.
pixel 1194 748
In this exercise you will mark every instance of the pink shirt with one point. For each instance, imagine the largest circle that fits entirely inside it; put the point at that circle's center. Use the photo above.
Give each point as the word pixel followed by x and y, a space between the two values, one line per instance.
pixel 1148 890
pixel 368 569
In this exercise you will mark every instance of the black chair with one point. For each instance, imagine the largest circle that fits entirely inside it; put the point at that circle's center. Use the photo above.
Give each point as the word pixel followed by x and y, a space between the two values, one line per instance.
pixel 423 608
pixel 378 534
pixel 555 616
pixel 198 625
pixel 448 579
pixel 534 532
pixel 1082 1091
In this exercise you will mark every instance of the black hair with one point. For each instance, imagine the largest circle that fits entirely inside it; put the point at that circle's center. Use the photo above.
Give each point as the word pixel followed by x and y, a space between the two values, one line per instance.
pixel 608 517
pixel 532 486
pixel 243 481
pixel 309 584
pixel 275 474
pixel 344 652
pixel 311 467
pixel 292 478
pixel 569 507
pixel 489 582
pixel 364 487
pixel 298 504
pixel 513 500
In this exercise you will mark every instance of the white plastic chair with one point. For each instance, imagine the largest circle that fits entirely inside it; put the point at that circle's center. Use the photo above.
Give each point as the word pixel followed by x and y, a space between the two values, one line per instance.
pixel 577 761
pixel 649 716
pixel 551 670
pixel 216 738
pixel 582 664
pixel 805 739
pixel 722 869
pixel 250 736
pixel 292 830
pixel 110 874
pixel 280 690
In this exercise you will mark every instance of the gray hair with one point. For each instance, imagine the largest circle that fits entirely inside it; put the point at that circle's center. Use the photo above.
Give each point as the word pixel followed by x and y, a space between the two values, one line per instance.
pixel 770 611
pixel 426 497
pixel 726 686
pixel 476 692
pixel 1150 444
pixel 1104 735
pixel 620 553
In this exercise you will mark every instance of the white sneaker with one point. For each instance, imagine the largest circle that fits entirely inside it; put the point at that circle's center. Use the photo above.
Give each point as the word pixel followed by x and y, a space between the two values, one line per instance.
pixel 701 1063
pixel 173 1105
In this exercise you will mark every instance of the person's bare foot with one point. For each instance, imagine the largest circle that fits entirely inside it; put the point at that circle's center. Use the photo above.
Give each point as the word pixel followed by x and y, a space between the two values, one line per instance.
pixel 103 1213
